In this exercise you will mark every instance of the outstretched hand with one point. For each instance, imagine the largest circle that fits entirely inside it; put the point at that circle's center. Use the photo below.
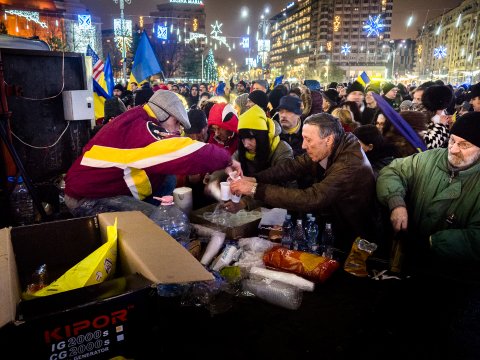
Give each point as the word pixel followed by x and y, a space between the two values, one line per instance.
pixel 242 186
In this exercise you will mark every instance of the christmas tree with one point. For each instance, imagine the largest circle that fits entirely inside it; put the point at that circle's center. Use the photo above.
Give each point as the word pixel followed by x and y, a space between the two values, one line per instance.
pixel 210 67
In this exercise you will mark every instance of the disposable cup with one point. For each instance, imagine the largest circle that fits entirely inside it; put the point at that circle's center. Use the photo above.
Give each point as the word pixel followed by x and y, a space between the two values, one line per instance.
pixel 225 193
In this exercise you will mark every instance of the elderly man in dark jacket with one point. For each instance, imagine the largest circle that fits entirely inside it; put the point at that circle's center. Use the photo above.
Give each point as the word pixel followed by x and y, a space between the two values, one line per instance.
pixel 344 188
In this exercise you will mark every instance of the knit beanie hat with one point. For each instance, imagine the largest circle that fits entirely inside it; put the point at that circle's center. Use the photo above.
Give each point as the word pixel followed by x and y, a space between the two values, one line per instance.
pixel 119 87
pixel 387 87
pixel 468 127
pixel 276 94
pixel 143 95
pixel 260 98
pixel 254 119
pixel 223 115
pixel 165 104
pixel 355 86
pixel 198 120
pixel 437 97
pixel 241 102
pixel 369 134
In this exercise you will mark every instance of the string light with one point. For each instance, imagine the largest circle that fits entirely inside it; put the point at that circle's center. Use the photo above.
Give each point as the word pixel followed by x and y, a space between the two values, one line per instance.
pixel 336 23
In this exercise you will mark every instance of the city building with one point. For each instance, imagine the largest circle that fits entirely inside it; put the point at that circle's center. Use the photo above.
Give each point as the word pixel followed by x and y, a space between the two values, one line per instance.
pixel 180 38
pixel 401 65
pixel 64 25
pixel 448 46
pixel 311 37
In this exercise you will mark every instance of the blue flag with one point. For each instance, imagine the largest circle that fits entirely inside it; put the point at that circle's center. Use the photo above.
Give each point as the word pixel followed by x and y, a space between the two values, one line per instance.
pixel 278 80
pixel 108 73
pixel 145 62
pixel 400 124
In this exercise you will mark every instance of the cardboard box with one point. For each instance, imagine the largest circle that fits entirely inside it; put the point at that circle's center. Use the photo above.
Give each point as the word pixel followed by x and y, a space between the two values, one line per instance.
pixel 236 232
pixel 100 321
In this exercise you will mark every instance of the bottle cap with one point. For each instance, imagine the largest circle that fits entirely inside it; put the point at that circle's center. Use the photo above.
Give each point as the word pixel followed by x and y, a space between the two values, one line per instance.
pixel 20 180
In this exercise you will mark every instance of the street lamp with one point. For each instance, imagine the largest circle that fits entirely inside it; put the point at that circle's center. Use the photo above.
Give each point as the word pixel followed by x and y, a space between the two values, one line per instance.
pixel 263 25
pixel 124 47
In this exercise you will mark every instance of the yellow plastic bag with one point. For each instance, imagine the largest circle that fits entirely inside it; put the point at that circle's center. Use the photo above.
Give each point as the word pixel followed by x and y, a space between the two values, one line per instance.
pixel 94 269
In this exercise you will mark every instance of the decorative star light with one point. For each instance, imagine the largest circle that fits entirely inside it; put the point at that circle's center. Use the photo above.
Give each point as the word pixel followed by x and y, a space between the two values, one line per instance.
pixel 346 49
pixel 216 28
pixel 440 52
pixel 374 25
pixel 29 15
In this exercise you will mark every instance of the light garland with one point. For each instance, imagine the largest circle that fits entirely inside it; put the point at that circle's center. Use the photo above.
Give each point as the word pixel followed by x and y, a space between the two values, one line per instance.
pixel 216 29
pixel 82 37
pixel 29 15
pixel 336 23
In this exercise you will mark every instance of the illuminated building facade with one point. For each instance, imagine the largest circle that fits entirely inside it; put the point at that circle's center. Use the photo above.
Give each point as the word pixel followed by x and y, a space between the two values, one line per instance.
pixel 312 33
pixel 448 48
pixel 55 22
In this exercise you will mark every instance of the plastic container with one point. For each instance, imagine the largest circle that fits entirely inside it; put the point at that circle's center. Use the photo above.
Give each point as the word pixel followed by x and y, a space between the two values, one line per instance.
pixel 21 203
pixel 287 232
pixel 298 237
pixel 312 236
pixel 172 219
pixel 328 241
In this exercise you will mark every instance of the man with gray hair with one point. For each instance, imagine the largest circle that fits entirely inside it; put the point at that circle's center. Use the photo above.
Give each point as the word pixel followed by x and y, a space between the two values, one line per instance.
pixel 127 162
pixel 343 189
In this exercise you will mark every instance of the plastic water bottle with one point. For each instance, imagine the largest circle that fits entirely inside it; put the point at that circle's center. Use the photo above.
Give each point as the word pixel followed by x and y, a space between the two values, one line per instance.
pixel 308 219
pixel 328 241
pixel 21 203
pixel 312 236
pixel 173 220
pixel 287 232
pixel 298 238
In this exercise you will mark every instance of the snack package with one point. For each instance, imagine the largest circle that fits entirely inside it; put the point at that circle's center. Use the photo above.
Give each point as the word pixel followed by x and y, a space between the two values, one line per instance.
pixel 356 261
pixel 314 267
pixel 94 269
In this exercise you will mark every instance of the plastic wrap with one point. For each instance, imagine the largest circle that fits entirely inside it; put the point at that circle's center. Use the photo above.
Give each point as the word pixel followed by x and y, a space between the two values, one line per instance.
pixel 275 292
pixel 313 267
pixel 283 277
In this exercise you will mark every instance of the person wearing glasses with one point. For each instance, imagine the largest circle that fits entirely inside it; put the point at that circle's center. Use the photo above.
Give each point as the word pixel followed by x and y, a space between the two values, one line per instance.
pixel 130 158
pixel 434 198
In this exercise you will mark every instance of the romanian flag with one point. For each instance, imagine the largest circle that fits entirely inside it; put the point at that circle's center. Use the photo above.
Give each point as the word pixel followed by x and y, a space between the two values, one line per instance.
pixel 145 61
pixel 363 79
pixel 100 88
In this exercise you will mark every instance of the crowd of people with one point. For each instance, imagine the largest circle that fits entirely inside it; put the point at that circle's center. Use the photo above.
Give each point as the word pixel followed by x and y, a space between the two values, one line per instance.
pixel 374 161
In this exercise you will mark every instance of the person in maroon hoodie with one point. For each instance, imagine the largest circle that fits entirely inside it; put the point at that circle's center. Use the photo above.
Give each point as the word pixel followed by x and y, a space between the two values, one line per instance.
pixel 127 161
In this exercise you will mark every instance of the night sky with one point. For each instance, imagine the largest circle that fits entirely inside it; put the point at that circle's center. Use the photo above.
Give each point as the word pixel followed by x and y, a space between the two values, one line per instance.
pixel 228 12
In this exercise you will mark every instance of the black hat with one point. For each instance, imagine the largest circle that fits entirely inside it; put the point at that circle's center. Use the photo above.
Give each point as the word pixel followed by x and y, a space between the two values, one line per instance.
pixel 355 86
pixel 142 96
pixel 437 97
pixel 474 91
pixel 387 87
pixel 332 85
pixel 331 95
pixel 468 127
pixel 260 98
pixel 291 103
pixel 198 120
pixel 119 87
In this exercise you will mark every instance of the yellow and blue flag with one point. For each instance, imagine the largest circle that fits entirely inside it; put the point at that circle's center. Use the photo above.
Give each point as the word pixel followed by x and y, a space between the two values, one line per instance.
pixel 278 81
pixel 145 61
pixel 363 79
pixel 100 88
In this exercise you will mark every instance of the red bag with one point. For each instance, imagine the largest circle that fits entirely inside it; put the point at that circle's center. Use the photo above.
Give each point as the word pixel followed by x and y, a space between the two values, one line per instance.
pixel 314 267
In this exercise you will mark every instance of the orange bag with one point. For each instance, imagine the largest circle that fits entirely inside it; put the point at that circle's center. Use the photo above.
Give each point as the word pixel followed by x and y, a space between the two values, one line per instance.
pixel 314 267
